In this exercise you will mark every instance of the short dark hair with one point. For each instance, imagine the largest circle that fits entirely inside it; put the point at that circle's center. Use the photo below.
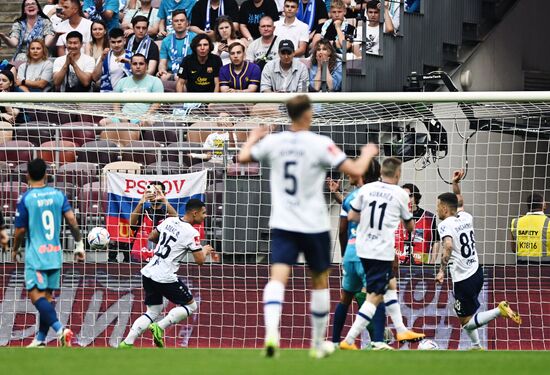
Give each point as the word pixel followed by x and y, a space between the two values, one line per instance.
pixel 196 40
pixel 177 12
pixel 36 169
pixel 373 173
pixel 194 204
pixel 74 34
pixel 450 200
pixel 373 4
pixel 158 183
pixel 415 191
pixel 235 44
pixel 116 33
pixel 137 19
pixel 297 106
pixel 535 202
pixel 139 55
pixel 292 1
pixel 390 167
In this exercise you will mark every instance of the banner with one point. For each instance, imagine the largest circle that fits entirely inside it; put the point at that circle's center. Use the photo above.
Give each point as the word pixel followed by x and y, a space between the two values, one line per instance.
pixel 125 190
pixel 100 301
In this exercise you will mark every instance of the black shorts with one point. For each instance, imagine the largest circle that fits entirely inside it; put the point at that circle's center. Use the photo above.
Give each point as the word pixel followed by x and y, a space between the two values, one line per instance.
pixel 177 292
pixel 286 246
pixel 466 293
pixel 378 274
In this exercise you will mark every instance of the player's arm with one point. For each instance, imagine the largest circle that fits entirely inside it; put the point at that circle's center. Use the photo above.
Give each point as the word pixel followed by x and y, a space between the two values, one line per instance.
pixel 78 251
pixel 154 236
pixel 435 245
pixel 334 188
pixel 245 155
pixel 343 234
pixel 458 175
pixel 445 257
pixel 354 215
pixel 360 165
pixel 18 239
pixel 513 235
pixel 201 255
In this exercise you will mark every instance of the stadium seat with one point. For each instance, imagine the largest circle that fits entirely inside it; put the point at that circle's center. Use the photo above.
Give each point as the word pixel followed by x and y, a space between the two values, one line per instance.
pixel 19 152
pixel 199 136
pixel 238 110
pixel 41 132
pixel 215 170
pixel 9 192
pixel 108 153
pixel 140 156
pixel 79 136
pixel 165 167
pixel 186 153
pixel 123 135
pixel 236 169
pixel 162 136
pixel 91 201
pixel 19 172
pixel 61 155
pixel 266 110
pixel 78 173
pixel 123 167
pixel 6 131
pixel 67 188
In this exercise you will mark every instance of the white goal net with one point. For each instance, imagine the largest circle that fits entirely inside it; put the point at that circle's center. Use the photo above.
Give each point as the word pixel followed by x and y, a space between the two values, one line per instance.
pixel 189 145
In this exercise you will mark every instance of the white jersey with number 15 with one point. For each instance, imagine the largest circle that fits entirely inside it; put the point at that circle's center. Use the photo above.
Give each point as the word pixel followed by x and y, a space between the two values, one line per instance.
pixel 382 207
pixel 176 238
pixel 298 161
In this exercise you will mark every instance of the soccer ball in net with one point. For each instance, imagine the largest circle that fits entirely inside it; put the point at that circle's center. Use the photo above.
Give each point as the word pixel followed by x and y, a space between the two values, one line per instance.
pixel 428 345
pixel 98 238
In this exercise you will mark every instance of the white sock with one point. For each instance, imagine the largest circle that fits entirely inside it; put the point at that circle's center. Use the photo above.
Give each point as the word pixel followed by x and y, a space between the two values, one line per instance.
pixel 274 293
pixel 393 309
pixel 474 336
pixel 363 318
pixel 177 314
pixel 137 329
pixel 482 318
pixel 320 308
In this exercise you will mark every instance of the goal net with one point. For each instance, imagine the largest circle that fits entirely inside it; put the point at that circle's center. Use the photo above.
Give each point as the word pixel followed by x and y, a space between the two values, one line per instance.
pixel 189 145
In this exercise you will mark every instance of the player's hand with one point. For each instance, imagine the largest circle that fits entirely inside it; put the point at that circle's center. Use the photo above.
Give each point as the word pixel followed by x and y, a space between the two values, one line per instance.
pixel 258 133
pixel 79 253
pixel 215 256
pixel 458 175
pixel 15 256
pixel 440 277
pixel 4 239
pixel 370 150
pixel 333 185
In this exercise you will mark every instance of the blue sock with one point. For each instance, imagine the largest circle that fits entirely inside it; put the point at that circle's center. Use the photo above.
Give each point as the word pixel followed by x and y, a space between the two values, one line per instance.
pixel 43 329
pixel 47 313
pixel 340 315
pixel 379 323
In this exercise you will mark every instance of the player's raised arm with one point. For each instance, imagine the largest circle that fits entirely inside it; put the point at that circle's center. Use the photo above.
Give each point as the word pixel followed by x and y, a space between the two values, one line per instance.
pixel 78 251
pixel 360 165
pixel 458 175
pixel 245 155
pixel 201 255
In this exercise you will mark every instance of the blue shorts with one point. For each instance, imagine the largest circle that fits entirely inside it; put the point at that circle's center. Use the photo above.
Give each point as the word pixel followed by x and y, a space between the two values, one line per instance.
pixel 42 280
pixel 466 293
pixel 378 274
pixel 353 279
pixel 286 246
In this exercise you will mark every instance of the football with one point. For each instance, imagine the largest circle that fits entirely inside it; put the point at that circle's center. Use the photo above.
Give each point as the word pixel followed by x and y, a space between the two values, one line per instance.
pixel 428 345
pixel 98 238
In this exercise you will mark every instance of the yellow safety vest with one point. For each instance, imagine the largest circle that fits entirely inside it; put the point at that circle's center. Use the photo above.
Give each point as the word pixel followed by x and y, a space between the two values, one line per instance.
pixel 531 233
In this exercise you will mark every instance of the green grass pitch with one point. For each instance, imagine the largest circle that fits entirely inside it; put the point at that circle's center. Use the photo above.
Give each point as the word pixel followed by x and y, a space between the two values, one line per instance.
pixel 80 361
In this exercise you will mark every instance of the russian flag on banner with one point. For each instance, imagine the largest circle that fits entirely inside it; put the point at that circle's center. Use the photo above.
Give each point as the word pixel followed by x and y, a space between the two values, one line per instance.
pixel 125 190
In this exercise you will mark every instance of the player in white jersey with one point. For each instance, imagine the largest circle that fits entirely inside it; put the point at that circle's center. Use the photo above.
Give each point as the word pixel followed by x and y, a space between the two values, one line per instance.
pixel 299 218
pixel 175 237
pixel 379 207
pixel 460 254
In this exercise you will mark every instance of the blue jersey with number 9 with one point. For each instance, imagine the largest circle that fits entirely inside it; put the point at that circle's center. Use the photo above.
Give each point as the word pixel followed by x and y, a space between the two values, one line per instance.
pixel 40 211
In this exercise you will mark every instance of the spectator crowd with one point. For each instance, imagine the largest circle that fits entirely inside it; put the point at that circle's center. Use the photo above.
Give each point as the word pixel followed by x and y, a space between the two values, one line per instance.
pixel 191 45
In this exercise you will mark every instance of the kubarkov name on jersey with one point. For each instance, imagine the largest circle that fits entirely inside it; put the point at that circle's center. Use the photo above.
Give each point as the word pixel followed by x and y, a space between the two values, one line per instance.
pixel 298 162
pixel 464 261
pixel 176 239
pixel 382 207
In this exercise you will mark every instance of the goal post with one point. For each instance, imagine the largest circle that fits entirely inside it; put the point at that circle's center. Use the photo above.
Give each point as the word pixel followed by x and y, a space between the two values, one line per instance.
pixel 189 144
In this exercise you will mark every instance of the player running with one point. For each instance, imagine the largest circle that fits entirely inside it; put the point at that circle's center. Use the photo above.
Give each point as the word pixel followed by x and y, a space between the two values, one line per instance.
pixel 353 279
pixel 379 207
pixel 459 252
pixel 175 236
pixel 38 217
pixel 299 218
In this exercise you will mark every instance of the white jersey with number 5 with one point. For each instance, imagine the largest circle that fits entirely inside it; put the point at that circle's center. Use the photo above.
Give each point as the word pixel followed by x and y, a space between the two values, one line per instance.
pixel 382 207
pixel 298 161
pixel 464 262
pixel 176 238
